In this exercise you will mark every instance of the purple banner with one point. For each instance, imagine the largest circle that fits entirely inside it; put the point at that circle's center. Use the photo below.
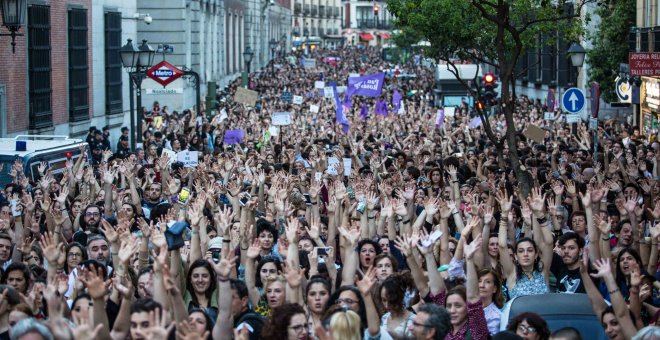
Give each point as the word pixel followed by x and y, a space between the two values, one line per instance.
pixel 396 101
pixel 368 86
pixel 234 136
pixel 364 112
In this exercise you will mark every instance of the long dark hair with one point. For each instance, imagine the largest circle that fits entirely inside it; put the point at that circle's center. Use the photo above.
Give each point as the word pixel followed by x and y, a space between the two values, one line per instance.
pixel 620 277
pixel 362 312
pixel 538 265
pixel 266 259
pixel 212 286
pixel 278 325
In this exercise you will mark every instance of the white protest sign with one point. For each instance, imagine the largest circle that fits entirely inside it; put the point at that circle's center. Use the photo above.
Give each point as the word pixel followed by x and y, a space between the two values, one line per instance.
pixel 171 154
pixel 348 164
pixel 450 111
pixel 351 75
pixel 341 89
pixel 575 118
pixel 281 118
pixel 319 84
pixel 189 159
pixel 549 115
pixel 314 108
pixel 328 92
pixel 332 161
pixel 297 100
pixel 274 131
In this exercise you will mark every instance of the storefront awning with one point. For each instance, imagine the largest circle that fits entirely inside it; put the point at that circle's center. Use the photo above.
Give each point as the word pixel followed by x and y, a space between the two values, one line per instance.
pixel 384 35
pixel 366 36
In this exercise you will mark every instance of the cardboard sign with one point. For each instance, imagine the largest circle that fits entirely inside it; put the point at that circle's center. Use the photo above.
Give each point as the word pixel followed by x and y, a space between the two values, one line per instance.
pixel 319 84
pixel 549 116
pixel 274 131
pixel 245 96
pixel 535 133
pixel 190 159
pixel 281 118
pixel 297 100
pixel 309 63
pixel 234 136
pixel 314 108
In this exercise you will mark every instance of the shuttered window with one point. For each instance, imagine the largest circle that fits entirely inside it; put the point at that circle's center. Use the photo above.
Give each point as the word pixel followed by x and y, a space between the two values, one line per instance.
pixel 113 68
pixel 78 65
pixel 39 67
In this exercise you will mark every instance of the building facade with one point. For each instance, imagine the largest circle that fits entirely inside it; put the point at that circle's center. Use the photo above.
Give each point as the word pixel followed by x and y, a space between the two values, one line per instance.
pixel 66 74
pixel 366 22
pixel 645 37
pixel 316 23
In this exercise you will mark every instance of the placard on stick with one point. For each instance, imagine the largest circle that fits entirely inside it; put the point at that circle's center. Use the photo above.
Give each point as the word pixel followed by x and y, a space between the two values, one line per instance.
pixel 245 96
pixel 535 133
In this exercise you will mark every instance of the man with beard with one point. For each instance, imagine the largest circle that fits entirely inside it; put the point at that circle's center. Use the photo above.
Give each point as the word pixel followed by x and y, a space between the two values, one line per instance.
pixel 90 219
pixel 152 197
pixel 566 267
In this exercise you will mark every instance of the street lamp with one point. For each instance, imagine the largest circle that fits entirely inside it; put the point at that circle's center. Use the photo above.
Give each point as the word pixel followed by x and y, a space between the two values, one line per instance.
pixel 273 45
pixel 13 17
pixel 247 55
pixel 137 60
pixel 577 53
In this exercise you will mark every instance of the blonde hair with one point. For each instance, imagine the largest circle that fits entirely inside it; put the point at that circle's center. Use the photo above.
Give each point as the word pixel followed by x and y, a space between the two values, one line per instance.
pixel 346 325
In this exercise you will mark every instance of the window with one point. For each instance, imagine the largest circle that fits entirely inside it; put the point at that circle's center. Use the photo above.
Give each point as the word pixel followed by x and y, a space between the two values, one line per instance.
pixel 113 71
pixel 39 69
pixel 78 66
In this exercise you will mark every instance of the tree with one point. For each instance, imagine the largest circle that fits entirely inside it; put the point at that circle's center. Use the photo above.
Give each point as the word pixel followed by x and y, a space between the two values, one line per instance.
pixel 493 32
pixel 610 44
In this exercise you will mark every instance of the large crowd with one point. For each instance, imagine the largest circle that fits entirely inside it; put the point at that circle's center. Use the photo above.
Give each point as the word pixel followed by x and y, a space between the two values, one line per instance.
pixel 393 221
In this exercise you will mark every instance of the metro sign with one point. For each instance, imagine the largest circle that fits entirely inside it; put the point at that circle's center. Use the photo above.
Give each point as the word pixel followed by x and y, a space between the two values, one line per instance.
pixel 164 73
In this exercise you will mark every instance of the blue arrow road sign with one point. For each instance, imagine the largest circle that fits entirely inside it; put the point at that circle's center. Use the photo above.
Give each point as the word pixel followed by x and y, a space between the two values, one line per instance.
pixel 573 100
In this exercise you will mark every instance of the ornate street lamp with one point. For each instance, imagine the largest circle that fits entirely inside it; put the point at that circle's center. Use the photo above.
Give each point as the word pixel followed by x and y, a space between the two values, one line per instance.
pixel 129 55
pixel 273 45
pixel 13 17
pixel 146 56
pixel 577 53
pixel 247 56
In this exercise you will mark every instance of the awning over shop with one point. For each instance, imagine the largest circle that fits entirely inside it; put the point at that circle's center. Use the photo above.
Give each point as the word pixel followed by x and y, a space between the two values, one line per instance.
pixel 333 37
pixel 366 36
pixel 384 35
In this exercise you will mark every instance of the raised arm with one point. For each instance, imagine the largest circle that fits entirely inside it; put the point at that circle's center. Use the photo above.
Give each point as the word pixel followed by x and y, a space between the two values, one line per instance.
pixel 364 285
pixel 618 303
pixel 405 244
pixel 472 280
pixel 250 272
pixel 224 323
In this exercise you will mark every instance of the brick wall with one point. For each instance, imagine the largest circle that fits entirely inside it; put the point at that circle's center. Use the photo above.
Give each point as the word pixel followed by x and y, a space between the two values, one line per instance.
pixel 14 68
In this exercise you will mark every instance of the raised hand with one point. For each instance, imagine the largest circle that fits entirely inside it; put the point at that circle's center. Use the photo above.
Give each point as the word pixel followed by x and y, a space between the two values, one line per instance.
pixel 368 281
pixel 404 245
pixel 254 249
pixel 536 202
pixel 351 236
pixel 92 279
pixel 603 268
pixel 471 248
pixel 604 226
pixel 109 231
pixel 127 249
pixel 488 214
pixel 187 331
pixel 84 330
pixel 291 229
pixel 631 203
pixel 293 274
pixel 54 253
pixel 224 267
pixel 431 205
pixel 504 200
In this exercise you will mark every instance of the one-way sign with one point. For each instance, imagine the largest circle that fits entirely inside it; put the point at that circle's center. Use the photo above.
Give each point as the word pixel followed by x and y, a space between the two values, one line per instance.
pixel 573 100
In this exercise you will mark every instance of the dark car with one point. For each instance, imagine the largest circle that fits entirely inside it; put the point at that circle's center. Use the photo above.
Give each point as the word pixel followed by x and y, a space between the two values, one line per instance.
pixel 558 310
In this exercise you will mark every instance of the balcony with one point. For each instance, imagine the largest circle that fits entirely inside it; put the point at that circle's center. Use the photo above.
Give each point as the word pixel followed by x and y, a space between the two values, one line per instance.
pixel 336 12
pixel 328 12
pixel 297 9
pixel 371 23
pixel 315 10
pixel 307 9
pixel 321 11
pixel 321 32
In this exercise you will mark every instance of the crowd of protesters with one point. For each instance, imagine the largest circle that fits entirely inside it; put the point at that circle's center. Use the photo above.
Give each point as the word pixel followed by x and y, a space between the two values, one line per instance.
pixel 393 225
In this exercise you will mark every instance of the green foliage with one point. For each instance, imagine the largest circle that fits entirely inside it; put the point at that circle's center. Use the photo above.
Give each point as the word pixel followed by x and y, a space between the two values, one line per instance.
pixel 610 44
pixel 406 38
pixel 469 29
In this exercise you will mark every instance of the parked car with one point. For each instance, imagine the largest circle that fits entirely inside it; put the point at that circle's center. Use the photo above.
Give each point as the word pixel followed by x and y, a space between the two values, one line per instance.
pixel 54 150
pixel 558 310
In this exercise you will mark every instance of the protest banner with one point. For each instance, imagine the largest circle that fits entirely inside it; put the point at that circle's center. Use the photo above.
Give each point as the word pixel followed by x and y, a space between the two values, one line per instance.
pixel 234 136
pixel 245 96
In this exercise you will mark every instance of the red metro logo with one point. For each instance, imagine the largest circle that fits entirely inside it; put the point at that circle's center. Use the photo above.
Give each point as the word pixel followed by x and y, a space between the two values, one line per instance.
pixel 164 73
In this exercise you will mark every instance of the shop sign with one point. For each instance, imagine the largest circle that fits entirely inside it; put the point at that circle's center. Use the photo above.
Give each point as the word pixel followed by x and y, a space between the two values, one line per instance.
pixel 645 64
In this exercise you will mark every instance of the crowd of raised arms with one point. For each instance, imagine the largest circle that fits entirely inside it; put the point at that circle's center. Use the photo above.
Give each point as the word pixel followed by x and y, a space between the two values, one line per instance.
pixel 399 225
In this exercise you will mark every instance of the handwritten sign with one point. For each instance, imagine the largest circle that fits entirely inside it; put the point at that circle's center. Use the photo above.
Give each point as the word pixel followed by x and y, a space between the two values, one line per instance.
pixel 450 111
pixel 286 96
pixel 549 115
pixel 234 136
pixel 245 96
pixel 348 164
pixel 332 162
pixel 309 63
pixel 190 159
pixel 281 118
pixel 314 108
pixel 319 84
pixel 575 118
pixel 298 100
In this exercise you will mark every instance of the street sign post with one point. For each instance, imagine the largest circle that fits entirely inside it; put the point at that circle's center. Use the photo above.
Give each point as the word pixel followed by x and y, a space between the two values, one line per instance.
pixel 164 73
pixel 573 100
pixel 550 100
pixel 595 106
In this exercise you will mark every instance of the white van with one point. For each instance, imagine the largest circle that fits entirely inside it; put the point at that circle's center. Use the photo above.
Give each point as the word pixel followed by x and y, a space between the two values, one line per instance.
pixel 54 150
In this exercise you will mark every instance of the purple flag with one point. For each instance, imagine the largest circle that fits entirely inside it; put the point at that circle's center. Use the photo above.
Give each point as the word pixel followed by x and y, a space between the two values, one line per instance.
pixel 364 112
pixel 234 136
pixel 474 123
pixel 440 118
pixel 340 115
pixel 396 101
pixel 368 86
pixel 381 107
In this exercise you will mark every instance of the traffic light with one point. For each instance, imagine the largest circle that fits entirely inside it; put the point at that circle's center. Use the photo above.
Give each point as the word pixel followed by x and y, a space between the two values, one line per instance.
pixel 375 9
pixel 488 87
pixel 480 105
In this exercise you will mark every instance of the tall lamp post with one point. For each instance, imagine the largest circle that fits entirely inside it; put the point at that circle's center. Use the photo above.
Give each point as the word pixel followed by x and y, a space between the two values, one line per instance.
pixel 137 60
pixel 13 17
pixel 273 45
pixel 577 53
pixel 247 56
